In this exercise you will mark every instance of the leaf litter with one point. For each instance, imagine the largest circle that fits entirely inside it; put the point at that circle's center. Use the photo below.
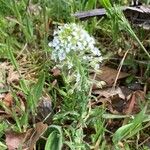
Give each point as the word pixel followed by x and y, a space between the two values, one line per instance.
pixel 120 100
pixel 26 140
pixel 15 140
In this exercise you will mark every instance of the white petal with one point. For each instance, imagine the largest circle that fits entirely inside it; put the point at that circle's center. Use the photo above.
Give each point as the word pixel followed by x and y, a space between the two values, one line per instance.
pixel 50 44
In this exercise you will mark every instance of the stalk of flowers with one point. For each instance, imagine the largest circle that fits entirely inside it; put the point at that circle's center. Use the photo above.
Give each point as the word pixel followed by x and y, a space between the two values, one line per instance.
pixel 72 47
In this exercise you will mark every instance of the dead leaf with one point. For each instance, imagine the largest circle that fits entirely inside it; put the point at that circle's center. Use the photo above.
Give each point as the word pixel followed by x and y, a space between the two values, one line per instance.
pixel 34 8
pixel 4 66
pixel 2 95
pixel 26 140
pixel 56 72
pixel 126 91
pixel 132 106
pixel 100 101
pixel 8 100
pixel 114 97
pixel 44 110
pixel 14 140
pixel 4 115
pixel 8 69
pixel 110 92
pixel 54 82
pixel 2 75
pixel 117 104
pixel 13 76
pixel 22 100
pixel 109 75
pixel 40 128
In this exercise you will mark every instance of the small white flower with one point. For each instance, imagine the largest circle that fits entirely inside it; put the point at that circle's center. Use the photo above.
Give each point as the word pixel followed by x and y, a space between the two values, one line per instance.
pixel 92 40
pixel 70 65
pixel 69 38
pixel 78 77
pixel 61 55
pixel 74 48
pixel 96 51
pixel 80 45
pixel 57 47
pixel 50 44
pixel 55 32
pixel 55 42
pixel 67 49
pixel 85 57
pixel 84 43
pixel 96 67
pixel 60 27
pixel 54 56
pixel 100 59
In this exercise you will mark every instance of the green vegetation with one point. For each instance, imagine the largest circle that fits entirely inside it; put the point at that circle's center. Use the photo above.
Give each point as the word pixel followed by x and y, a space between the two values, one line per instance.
pixel 52 101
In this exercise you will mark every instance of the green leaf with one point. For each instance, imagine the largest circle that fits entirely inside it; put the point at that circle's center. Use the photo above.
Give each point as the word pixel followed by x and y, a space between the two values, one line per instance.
pixel 2 146
pixel 11 56
pixel 105 3
pixel 35 92
pixel 38 87
pixel 54 141
pixel 24 86
pixel 130 129
pixel 90 4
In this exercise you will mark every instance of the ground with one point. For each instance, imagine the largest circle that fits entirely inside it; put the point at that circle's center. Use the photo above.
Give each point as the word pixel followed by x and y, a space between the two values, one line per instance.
pixel 88 98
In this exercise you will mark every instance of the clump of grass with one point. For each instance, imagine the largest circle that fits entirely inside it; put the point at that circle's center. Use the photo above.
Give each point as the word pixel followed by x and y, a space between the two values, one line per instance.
pixel 119 22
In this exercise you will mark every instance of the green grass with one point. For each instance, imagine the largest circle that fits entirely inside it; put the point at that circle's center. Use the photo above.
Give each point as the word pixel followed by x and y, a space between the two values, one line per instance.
pixel 25 33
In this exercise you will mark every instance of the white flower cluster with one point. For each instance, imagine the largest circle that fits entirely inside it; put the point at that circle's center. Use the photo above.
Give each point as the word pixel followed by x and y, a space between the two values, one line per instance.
pixel 70 39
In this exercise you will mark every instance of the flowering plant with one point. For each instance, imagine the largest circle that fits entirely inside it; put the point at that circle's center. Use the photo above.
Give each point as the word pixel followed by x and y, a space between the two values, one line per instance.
pixel 71 46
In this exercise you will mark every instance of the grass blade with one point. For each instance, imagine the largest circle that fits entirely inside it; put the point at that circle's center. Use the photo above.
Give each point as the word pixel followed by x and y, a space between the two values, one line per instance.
pixel 54 141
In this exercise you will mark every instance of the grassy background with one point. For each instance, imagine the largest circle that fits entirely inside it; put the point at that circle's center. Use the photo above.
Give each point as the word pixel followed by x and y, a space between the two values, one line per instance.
pixel 26 27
